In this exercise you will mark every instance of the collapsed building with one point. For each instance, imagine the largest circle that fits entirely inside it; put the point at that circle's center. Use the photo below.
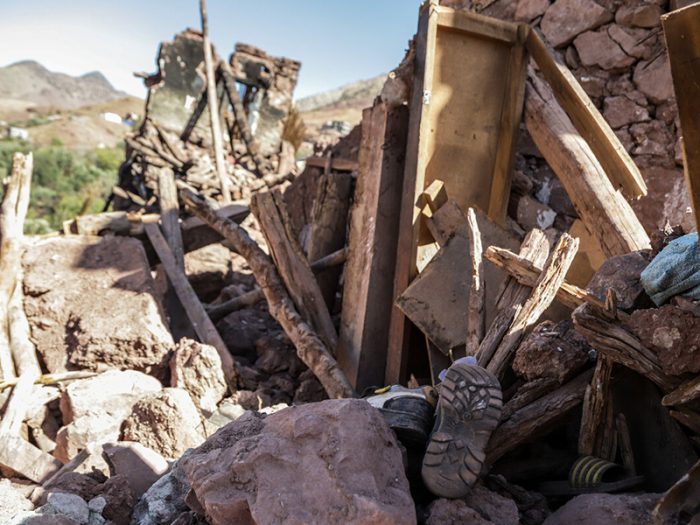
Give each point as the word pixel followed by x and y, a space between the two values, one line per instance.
pixel 515 195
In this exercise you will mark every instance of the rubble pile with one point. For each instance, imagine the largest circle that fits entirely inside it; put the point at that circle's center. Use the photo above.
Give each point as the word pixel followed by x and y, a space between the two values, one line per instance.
pixel 212 350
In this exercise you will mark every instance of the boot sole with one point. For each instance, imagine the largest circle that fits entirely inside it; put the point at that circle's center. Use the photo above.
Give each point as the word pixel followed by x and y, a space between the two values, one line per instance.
pixel 468 411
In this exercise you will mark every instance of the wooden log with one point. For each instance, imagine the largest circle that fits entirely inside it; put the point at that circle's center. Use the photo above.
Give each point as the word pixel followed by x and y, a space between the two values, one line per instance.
pixel 535 248
pixel 475 314
pixel 170 215
pixel 368 294
pixel 527 394
pixel 605 212
pixel 536 418
pixel 596 404
pixel 612 340
pixel 681 30
pixel 22 348
pixel 205 329
pixel 687 392
pixel 16 410
pixel 51 379
pixel 336 258
pixel 292 265
pixel 310 348
pixel 526 273
pixel 329 219
pixel 434 196
pixel 213 104
pixel 543 294
pixel 593 128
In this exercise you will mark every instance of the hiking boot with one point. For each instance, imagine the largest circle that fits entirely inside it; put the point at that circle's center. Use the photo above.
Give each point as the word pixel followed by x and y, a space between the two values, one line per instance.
pixel 409 412
pixel 468 411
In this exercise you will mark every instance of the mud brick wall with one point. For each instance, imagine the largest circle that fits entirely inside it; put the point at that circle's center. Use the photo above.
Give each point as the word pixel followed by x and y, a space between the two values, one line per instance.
pixel 616 49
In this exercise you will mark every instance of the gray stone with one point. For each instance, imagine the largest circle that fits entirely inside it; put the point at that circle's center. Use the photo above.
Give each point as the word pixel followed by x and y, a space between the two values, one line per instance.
pixel 69 505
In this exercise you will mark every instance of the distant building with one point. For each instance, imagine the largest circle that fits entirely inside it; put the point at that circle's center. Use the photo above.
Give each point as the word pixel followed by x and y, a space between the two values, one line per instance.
pixel 17 133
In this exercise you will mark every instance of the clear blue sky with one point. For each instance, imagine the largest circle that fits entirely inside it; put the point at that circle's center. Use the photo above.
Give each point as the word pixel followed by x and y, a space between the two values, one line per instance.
pixel 338 41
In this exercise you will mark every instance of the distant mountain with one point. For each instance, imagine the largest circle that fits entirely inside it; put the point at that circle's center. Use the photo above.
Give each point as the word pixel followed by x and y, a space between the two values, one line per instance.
pixel 344 103
pixel 28 84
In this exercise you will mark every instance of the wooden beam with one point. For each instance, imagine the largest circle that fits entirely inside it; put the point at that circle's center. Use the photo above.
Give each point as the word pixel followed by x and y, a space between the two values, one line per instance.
pixel 310 348
pixel 596 404
pixel 682 32
pixel 212 101
pixel 368 299
pixel 475 312
pixel 205 329
pixel 613 157
pixel 270 211
pixel 605 212
pixel 170 215
pixel 685 393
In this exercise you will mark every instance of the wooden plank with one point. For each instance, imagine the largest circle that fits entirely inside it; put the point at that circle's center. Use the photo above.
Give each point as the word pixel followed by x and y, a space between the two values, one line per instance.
pixel 373 232
pixel 543 294
pixel 458 71
pixel 682 32
pixel 438 299
pixel 605 212
pixel 475 310
pixel 329 219
pixel 205 329
pixel 612 155
pixel 596 404
pixel 270 211
pixel 589 258
pixel 685 393
pixel 170 215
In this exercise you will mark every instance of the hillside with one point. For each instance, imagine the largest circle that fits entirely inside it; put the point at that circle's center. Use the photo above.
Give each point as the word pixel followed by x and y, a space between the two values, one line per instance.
pixel 344 103
pixel 28 86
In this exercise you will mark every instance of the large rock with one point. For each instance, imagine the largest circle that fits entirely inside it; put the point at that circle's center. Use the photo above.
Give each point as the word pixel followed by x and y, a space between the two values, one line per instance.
pixel 95 408
pixel 566 19
pixel 103 314
pixel 597 48
pixel 621 111
pixel 621 274
pixel 596 509
pixel 653 78
pixel 197 368
pixel 492 506
pixel 69 505
pixel 639 14
pixel 334 461
pixel 119 500
pixel 454 512
pixel 551 350
pixel 164 501
pixel 673 333
pixel 167 422
pixel 528 10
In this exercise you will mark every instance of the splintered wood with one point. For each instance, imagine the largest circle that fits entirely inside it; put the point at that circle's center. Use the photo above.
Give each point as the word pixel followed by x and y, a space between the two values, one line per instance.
pixel 543 294
pixel 310 348
pixel 475 314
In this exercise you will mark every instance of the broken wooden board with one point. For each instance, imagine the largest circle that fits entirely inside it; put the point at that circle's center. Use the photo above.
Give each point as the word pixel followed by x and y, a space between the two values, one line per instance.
pixel 367 304
pixel 465 65
pixel 682 31
pixel 271 213
pixel 437 300
pixel 589 258
pixel 612 155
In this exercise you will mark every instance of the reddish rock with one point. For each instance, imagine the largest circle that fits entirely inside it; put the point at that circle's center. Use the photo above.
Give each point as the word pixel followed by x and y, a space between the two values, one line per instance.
pixel 594 86
pixel 596 509
pixel 207 269
pixel 492 506
pixel 276 354
pixel 167 422
pixel 74 483
pixel 621 274
pixel 119 500
pixel 597 48
pixel 634 42
pixel 652 138
pixel 667 200
pixel 551 350
pixel 625 138
pixel 566 19
pixel 453 512
pixel 621 111
pixel 653 78
pixel 673 333
pixel 328 462
pixel 645 15
pixel 197 368
pixel 528 10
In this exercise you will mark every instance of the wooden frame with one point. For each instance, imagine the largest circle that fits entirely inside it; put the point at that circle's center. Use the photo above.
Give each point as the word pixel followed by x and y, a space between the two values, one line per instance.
pixel 466 107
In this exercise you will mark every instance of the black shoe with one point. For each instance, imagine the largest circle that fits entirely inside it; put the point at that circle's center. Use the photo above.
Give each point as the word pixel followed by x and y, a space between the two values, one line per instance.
pixel 468 411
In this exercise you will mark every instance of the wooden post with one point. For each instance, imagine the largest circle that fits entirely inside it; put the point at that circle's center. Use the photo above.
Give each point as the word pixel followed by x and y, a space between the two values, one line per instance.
pixel 475 315
pixel 682 31
pixel 604 211
pixel 217 139
pixel 170 215
pixel 595 408
pixel 205 329
pixel 310 348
